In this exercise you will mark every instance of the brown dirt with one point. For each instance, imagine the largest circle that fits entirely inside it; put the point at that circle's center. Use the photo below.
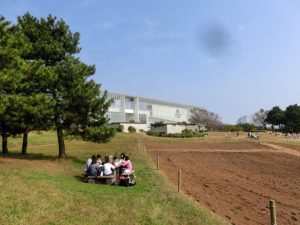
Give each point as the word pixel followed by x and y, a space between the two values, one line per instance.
pixel 237 185
pixel 211 146
pixel 293 147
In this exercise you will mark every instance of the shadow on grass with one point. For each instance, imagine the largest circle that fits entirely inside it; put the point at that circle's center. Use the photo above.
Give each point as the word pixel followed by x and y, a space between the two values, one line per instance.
pixel 39 156
pixel 80 178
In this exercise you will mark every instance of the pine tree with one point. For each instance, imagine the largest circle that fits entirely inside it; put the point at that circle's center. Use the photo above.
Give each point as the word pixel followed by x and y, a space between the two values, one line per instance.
pixel 12 46
pixel 79 107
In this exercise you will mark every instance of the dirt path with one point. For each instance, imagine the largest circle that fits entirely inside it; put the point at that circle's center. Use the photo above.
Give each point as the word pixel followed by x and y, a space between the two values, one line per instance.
pixel 209 150
pixel 283 149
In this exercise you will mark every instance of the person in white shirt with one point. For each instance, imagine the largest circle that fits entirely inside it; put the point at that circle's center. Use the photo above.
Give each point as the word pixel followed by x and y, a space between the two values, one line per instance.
pixel 108 167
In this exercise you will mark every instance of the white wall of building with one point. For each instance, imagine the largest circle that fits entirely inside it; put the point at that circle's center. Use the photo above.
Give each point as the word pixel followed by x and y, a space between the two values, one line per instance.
pixel 128 108
pixel 173 128
pixel 137 126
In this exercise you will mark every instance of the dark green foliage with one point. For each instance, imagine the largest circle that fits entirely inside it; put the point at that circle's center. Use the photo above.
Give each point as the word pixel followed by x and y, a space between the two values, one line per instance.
pixel 79 106
pixel 229 128
pixel 120 128
pixel 276 117
pixel 247 127
pixel 44 85
pixel 158 124
pixel 184 134
pixel 51 39
pixel 12 69
pixel 182 123
pixel 292 118
pixel 287 120
pixel 131 129
pixel 98 134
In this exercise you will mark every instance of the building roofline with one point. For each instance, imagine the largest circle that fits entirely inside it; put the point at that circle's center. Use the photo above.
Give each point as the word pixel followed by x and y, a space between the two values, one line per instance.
pixel 154 101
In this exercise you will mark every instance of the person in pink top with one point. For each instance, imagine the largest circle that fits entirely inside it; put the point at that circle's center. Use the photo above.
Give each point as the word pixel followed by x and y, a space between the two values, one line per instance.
pixel 127 165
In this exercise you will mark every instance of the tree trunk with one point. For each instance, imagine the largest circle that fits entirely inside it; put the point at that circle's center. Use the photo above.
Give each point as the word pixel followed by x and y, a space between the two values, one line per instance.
pixel 25 142
pixel 4 139
pixel 61 143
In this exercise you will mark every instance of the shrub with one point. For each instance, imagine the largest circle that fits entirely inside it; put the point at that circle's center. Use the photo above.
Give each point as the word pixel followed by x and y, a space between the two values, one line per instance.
pixel 152 133
pixel 185 134
pixel 131 129
pixel 158 124
pixel 120 128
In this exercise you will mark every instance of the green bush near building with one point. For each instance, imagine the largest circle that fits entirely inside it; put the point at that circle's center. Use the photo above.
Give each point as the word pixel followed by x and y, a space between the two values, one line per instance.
pixel 184 134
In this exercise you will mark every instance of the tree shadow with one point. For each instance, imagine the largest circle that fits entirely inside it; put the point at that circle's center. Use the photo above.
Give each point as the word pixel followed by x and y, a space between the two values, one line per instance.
pixel 29 156
pixel 40 156
pixel 80 178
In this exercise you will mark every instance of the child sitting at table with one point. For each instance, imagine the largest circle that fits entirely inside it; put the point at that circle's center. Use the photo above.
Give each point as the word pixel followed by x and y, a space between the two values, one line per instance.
pixel 88 163
pixel 122 157
pixel 108 167
pixel 99 160
pixel 93 167
pixel 116 162
pixel 127 165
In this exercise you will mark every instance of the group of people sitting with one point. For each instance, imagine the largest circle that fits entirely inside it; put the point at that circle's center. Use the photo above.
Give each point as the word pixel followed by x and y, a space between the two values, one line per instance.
pixel 95 167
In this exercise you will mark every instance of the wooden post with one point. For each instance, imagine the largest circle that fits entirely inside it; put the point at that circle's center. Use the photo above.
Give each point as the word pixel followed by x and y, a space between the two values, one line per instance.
pixel 149 153
pixel 179 180
pixel 157 161
pixel 273 212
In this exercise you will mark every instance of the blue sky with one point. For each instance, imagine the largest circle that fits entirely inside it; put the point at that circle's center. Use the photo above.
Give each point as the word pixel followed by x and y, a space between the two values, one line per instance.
pixel 231 57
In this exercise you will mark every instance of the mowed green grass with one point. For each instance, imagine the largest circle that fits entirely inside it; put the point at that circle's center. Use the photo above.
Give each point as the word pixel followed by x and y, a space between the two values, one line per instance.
pixel 40 189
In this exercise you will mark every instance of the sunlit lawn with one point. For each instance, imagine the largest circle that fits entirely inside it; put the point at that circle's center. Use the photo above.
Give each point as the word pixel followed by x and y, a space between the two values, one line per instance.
pixel 39 189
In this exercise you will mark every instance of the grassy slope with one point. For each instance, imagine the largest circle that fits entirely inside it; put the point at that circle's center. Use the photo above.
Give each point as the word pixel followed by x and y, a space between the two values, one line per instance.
pixel 38 189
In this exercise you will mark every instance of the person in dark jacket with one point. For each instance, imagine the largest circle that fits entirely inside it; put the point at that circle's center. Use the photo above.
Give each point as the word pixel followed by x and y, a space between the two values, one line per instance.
pixel 93 168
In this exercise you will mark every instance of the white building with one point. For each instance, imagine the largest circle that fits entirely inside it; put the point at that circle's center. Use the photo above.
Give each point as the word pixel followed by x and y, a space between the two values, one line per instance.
pixel 133 109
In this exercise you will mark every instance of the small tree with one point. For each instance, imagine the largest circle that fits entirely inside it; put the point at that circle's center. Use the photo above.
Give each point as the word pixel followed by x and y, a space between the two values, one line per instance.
pixel 204 118
pixel 259 118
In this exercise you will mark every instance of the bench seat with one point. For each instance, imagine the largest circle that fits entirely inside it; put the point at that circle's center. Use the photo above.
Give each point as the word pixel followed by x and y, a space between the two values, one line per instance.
pixel 108 179
pixel 127 174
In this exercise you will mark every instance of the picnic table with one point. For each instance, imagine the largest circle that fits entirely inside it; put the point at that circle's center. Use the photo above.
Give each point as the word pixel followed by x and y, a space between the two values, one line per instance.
pixel 109 179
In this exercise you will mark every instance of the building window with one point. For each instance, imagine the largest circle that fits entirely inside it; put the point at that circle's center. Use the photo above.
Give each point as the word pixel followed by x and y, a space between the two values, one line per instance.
pixel 129 103
pixel 142 118
pixel 177 114
pixel 144 106
pixel 117 103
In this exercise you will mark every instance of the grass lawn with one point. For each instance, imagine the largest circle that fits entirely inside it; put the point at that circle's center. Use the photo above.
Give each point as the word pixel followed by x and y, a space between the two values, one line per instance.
pixel 40 189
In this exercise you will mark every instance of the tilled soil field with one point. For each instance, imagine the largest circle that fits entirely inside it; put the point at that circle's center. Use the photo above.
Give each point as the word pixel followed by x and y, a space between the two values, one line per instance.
pixel 236 180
